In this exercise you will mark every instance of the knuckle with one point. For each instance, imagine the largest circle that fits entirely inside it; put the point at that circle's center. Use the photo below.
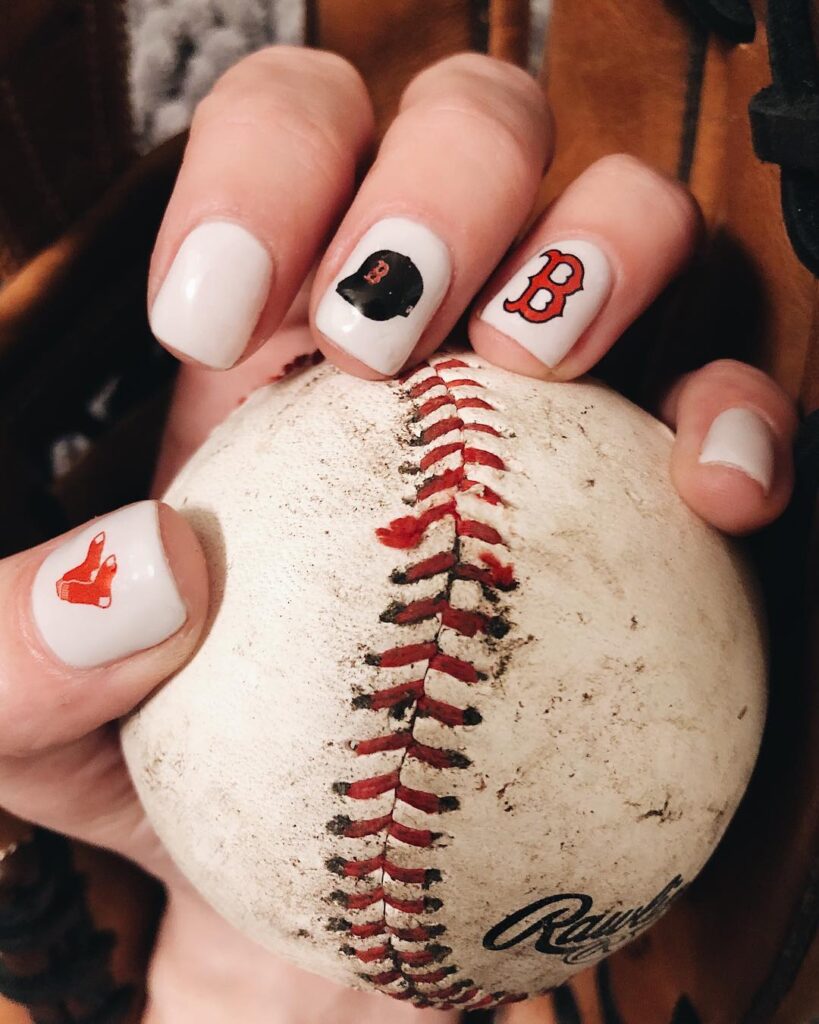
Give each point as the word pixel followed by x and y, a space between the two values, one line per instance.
pixel 741 371
pixel 276 63
pixel 516 163
pixel 629 166
pixel 307 129
pixel 324 62
pixel 720 370
pixel 311 73
pixel 518 137
pixel 672 198
pixel 474 69
pixel 283 81
pixel 736 377
pixel 488 90
pixel 717 367
pixel 321 149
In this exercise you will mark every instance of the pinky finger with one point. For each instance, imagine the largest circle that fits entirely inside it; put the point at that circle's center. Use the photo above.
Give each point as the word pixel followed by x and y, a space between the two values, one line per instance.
pixel 732 460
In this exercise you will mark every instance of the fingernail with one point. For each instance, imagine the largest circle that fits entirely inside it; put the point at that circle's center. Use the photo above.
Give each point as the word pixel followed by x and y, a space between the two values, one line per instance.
pixel 741 439
pixel 552 299
pixel 386 293
pixel 108 592
pixel 212 297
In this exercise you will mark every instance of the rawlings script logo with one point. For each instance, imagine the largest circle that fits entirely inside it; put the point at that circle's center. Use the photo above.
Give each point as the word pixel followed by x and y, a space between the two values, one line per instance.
pixel 566 927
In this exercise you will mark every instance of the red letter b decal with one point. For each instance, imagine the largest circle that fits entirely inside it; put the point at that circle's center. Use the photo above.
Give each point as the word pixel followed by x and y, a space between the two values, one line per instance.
pixel 542 281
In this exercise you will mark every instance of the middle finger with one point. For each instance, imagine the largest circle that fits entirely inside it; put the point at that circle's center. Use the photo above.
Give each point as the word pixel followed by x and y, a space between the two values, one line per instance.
pixel 455 179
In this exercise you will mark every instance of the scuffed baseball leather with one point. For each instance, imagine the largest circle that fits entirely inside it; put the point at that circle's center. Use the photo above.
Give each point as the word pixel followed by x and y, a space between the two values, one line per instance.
pixel 620 74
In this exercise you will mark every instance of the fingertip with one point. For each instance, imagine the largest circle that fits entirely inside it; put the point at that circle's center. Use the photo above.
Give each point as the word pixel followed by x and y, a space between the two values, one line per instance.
pixel 96 619
pixel 594 261
pixel 732 460
pixel 727 497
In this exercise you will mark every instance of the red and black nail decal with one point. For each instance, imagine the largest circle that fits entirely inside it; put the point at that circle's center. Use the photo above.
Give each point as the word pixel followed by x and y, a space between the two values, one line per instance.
pixel 89 582
pixel 543 281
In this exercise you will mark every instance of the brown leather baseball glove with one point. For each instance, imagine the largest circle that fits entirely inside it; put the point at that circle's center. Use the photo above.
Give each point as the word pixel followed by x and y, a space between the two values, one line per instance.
pixel 723 97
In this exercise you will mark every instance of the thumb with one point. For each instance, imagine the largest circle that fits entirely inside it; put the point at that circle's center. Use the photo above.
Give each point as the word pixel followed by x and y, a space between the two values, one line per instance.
pixel 94 621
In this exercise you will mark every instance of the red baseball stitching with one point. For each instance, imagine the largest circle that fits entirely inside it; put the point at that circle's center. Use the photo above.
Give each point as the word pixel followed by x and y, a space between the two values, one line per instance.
pixel 424 974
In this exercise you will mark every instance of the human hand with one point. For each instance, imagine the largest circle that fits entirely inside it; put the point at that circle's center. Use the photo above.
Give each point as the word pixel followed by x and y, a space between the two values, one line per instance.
pixel 271 161
pixel 95 620
pixel 274 150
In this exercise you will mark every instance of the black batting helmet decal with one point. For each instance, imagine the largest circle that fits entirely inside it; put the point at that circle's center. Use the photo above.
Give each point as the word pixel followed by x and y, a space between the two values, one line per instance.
pixel 387 284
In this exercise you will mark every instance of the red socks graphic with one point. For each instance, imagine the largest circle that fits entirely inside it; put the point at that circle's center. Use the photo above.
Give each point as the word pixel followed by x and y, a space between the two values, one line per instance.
pixel 89 582
pixel 84 572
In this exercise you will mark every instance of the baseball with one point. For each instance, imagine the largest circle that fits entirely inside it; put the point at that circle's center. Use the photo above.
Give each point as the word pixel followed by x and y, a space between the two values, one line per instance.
pixel 479 694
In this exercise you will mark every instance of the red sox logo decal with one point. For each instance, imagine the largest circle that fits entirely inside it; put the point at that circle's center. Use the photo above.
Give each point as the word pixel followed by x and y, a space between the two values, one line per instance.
pixel 89 582
pixel 543 280
pixel 379 271
pixel 386 285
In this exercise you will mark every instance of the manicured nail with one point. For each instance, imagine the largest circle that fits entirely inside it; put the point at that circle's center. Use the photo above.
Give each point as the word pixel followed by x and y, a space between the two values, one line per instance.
pixel 108 591
pixel 386 294
pixel 213 294
pixel 552 299
pixel 741 439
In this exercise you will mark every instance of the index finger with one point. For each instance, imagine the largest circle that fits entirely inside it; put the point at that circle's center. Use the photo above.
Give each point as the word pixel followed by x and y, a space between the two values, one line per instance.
pixel 270 163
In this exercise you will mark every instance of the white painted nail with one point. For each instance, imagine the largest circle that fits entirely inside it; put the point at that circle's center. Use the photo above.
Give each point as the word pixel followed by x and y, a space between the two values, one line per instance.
pixel 552 299
pixel 212 297
pixel 386 293
pixel 108 591
pixel 741 439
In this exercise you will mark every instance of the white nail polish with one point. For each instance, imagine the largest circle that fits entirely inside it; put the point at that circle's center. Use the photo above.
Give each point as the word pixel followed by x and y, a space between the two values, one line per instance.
pixel 386 293
pixel 552 299
pixel 108 591
pixel 212 296
pixel 741 439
